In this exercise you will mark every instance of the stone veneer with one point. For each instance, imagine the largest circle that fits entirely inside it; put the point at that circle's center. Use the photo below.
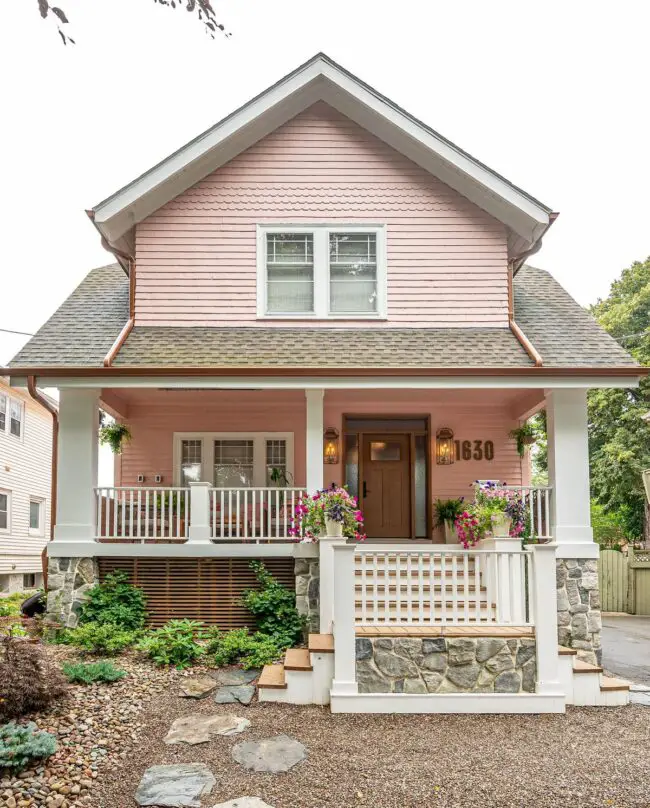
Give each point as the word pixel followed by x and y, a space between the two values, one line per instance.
pixel 445 665
pixel 68 580
pixel 578 607
pixel 307 572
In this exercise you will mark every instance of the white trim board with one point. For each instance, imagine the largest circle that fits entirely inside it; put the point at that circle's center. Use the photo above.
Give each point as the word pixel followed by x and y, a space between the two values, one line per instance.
pixel 93 549
pixel 447 703
pixel 321 79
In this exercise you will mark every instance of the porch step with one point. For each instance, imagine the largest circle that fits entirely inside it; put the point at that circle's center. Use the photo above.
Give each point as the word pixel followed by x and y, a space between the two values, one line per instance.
pixel 272 677
pixel 297 659
pixel 321 643
pixel 584 684
pixel 580 666
pixel 610 684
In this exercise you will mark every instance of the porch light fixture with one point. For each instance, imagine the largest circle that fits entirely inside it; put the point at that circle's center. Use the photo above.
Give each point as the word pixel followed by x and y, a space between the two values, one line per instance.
pixel 331 445
pixel 444 446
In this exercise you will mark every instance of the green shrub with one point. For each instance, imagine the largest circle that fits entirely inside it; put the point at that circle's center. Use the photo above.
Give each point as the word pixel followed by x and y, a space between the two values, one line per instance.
pixel 22 743
pixel 99 638
pixel 10 605
pixel 115 601
pixel 29 681
pixel 176 643
pixel 608 527
pixel 87 673
pixel 252 651
pixel 274 608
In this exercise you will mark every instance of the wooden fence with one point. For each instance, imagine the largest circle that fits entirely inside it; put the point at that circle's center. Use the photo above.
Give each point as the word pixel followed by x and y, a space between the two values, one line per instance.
pixel 625 581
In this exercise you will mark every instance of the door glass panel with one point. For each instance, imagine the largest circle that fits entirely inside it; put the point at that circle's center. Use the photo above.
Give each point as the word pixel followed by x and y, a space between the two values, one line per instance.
pixel 383 450
pixel 352 464
pixel 420 486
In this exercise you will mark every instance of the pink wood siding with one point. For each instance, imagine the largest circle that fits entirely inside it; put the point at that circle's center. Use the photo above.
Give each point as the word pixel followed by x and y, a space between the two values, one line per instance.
pixel 196 256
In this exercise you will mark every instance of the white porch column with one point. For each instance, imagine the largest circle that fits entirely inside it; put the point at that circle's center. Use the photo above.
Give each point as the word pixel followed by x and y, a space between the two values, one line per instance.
pixel 200 527
pixel 326 546
pixel 544 601
pixel 77 465
pixel 314 442
pixel 345 677
pixel 568 472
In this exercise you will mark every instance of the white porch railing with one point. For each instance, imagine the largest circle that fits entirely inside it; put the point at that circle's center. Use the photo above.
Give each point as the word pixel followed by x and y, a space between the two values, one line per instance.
pixel 142 515
pixel 253 514
pixel 537 501
pixel 418 586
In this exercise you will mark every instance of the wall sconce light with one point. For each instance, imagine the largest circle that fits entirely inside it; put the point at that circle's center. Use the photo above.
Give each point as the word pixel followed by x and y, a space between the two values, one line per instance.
pixel 444 446
pixel 331 445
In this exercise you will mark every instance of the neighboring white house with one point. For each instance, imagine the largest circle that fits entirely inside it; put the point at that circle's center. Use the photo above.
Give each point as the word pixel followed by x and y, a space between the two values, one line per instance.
pixel 25 487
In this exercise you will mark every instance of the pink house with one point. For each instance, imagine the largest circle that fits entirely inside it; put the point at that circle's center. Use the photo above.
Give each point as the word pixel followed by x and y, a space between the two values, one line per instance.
pixel 322 289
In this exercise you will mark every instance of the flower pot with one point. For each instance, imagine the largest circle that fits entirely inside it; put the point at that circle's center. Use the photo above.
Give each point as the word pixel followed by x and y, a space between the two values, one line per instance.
pixel 451 536
pixel 501 525
pixel 333 529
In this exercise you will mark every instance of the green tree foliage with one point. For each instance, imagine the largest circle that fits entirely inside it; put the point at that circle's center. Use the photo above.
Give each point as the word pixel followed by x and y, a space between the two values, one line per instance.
pixel 619 440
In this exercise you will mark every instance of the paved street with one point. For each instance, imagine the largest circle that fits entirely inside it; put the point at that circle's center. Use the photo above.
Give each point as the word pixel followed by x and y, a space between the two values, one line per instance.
pixel 626 647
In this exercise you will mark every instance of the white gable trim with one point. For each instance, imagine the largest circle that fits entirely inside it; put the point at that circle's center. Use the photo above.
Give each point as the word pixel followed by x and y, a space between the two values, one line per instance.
pixel 321 79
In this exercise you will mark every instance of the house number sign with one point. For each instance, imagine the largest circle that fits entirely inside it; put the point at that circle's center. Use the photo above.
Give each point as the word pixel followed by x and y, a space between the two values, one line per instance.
pixel 474 449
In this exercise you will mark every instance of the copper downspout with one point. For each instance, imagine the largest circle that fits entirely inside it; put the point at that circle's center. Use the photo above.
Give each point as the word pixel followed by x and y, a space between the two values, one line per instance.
pixel 128 326
pixel 523 340
pixel 34 393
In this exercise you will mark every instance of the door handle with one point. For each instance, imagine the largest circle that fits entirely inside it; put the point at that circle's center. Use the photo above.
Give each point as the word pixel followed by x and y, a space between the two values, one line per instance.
pixel 365 490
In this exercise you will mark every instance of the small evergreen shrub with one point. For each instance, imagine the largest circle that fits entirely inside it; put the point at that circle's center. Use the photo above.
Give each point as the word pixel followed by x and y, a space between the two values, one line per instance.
pixel 22 743
pixel 252 651
pixel 105 639
pixel 115 601
pixel 87 673
pixel 176 643
pixel 274 608
pixel 28 680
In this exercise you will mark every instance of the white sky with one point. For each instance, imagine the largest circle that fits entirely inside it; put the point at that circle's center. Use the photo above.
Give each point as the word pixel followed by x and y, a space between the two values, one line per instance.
pixel 552 95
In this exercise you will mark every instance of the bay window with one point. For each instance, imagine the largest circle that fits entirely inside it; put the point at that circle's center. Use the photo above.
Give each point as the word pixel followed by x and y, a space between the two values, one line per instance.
pixel 317 271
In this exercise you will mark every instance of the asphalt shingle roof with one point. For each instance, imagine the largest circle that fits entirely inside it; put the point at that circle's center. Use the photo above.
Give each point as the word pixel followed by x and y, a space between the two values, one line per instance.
pixel 81 332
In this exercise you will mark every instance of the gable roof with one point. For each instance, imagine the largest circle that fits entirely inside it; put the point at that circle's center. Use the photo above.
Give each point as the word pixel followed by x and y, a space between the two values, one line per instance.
pixel 563 332
pixel 321 79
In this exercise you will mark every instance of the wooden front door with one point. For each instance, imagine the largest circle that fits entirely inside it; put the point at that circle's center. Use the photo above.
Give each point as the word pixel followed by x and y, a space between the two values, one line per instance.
pixel 386 486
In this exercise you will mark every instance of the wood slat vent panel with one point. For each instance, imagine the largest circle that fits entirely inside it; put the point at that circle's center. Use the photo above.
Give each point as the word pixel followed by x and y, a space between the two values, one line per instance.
pixel 207 589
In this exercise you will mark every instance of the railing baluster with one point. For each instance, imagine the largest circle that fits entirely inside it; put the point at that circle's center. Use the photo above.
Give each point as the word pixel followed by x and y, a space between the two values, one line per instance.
pixel 154 496
pixel 420 589
pixel 443 585
pixel 409 589
pixel 454 588
pixel 466 585
pixel 432 586
pixel 375 589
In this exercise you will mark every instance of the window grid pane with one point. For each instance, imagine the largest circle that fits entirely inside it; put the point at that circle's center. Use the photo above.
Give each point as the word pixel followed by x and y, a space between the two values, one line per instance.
pixel 16 411
pixel 353 273
pixel 4 511
pixel 3 412
pixel 233 463
pixel 276 458
pixel 191 457
pixel 290 273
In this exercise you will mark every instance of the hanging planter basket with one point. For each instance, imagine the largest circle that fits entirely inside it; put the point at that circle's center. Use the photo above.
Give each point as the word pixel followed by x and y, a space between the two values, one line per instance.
pixel 115 435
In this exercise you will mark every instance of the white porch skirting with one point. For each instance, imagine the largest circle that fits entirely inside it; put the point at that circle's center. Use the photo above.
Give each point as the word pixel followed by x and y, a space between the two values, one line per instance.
pixel 486 703
pixel 94 549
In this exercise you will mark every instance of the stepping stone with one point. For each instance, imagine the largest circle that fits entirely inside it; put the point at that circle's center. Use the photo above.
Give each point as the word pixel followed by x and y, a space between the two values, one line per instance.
pixel 235 676
pixel 198 687
pixel 194 729
pixel 278 754
pixel 235 694
pixel 177 786
pixel 244 802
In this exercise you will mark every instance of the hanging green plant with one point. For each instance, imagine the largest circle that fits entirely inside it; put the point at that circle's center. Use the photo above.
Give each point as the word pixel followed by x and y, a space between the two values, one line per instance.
pixel 525 435
pixel 115 435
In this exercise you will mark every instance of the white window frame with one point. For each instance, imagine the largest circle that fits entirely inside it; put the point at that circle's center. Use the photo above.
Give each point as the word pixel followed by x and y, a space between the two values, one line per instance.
pixel 321 233
pixel 40 530
pixel 7 427
pixel 207 452
pixel 5 412
pixel 8 528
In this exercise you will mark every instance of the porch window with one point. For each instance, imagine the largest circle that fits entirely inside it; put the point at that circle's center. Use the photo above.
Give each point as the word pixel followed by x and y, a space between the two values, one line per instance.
pixel 191 455
pixel 276 462
pixel 233 463
pixel 321 272
pixel 5 504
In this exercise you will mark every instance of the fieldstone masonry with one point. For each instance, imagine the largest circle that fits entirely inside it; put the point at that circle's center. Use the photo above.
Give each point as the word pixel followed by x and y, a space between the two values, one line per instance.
pixel 578 607
pixel 445 665
pixel 307 572
pixel 68 580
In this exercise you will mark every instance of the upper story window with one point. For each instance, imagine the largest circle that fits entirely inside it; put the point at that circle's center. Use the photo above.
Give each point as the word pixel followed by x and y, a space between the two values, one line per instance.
pixel 11 415
pixel 321 272
pixel 5 510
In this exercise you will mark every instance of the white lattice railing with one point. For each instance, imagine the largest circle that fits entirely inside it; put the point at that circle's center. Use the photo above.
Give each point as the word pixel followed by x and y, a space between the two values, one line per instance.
pixel 142 514
pixel 425 587
pixel 537 500
pixel 253 514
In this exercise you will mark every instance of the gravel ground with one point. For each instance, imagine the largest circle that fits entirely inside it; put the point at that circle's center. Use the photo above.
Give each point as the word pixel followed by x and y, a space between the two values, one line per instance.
pixel 589 757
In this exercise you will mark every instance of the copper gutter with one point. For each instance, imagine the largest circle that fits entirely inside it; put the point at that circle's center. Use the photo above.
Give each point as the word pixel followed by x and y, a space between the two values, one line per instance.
pixel 34 393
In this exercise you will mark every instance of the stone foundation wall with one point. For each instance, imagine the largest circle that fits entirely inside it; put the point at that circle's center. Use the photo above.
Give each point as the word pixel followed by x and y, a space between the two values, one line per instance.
pixel 307 571
pixel 68 580
pixel 445 665
pixel 578 607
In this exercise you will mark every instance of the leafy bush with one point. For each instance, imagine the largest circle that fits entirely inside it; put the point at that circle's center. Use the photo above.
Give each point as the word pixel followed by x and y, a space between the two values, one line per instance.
pixel 10 605
pixel 115 601
pixel 87 673
pixel 274 609
pixel 22 743
pixel 174 644
pixel 608 527
pixel 99 638
pixel 28 680
pixel 252 651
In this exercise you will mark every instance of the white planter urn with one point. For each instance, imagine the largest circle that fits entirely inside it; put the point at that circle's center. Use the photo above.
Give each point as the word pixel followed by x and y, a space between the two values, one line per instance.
pixel 334 530
pixel 501 525
pixel 451 535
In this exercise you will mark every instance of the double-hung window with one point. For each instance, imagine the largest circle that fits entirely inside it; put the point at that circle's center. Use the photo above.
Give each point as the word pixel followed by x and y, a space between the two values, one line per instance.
pixel 321 272
pixel 15 417
pixel 36 521
pixel 5 510
pixel 4 403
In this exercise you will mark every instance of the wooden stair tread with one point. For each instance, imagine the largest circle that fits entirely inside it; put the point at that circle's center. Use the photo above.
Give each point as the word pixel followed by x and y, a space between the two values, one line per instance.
pixel 321 643
pixel 580 666
pixel 272 676
pixel 297 659
pixel 564 651
pixel 609 683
